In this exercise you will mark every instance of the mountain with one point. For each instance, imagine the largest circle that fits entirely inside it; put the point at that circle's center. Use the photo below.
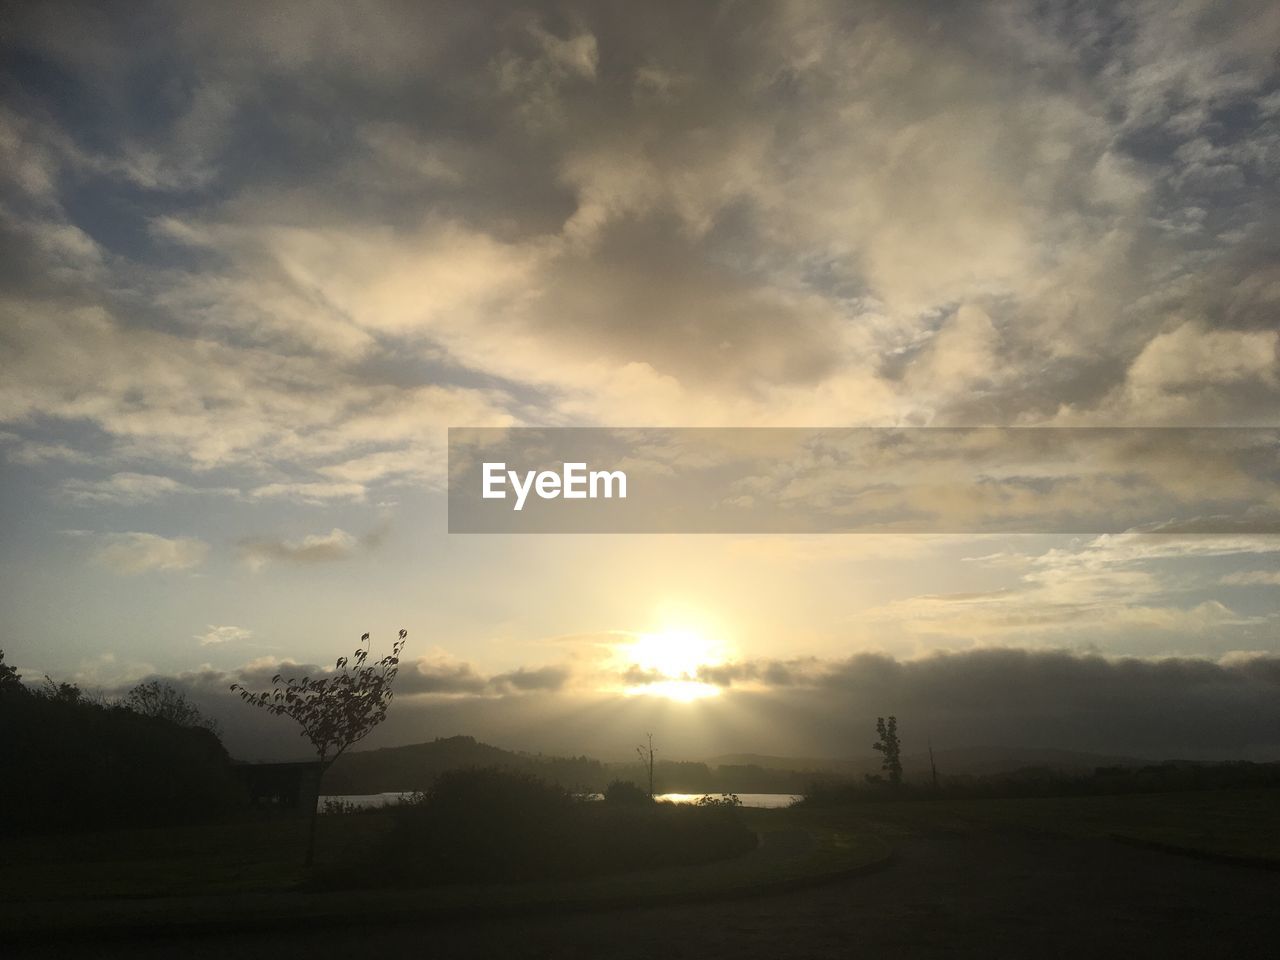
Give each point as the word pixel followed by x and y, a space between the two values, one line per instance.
pixel 415 767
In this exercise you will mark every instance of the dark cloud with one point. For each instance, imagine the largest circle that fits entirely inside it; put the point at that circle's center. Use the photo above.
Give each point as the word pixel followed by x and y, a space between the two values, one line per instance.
pixel 426 676
pixel 1154 708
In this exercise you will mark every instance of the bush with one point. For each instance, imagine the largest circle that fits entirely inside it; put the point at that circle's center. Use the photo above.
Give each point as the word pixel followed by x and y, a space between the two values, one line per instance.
pixel 482 824
pixel 494 825
pixel 626 793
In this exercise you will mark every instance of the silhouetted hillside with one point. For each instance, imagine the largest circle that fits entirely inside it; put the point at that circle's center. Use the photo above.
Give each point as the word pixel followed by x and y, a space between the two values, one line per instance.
pixel 416 767
pixel 987 761
pixel 70 763
pixel 973 761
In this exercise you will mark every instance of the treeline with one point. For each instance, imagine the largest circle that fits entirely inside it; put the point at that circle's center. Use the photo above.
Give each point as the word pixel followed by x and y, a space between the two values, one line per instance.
pixel 417 767
pixel 70 762
pixel 1045 782
pixel 680 776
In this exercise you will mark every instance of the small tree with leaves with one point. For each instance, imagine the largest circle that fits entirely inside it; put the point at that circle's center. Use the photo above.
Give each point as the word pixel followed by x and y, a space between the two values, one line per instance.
pixel 335 710
pixel 889 748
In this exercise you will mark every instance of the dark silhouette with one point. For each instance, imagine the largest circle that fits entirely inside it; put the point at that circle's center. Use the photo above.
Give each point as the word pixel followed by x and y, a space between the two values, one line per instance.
pixel 626 793
pixel 71 763
pixel 646 758
pixel 291 788
pixel 152 698
pixel 890 749
pixel 496 825
pixel 416 767
pixel 334 711
pixel 10 681
pixel 1170 777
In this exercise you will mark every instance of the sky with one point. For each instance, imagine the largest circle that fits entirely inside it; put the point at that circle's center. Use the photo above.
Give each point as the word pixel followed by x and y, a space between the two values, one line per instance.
pixel 260 257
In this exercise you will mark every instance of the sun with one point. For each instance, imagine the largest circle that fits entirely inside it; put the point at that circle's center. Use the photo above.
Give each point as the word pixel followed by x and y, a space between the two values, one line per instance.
pixel 665 663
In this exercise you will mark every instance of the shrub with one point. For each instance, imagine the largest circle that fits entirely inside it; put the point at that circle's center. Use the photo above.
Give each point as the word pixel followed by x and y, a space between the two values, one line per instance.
pixel 723 800
pixel 494 825
pixel 626 793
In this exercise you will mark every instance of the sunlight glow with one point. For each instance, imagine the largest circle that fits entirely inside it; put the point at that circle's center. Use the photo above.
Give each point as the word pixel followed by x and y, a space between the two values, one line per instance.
pixel 670 659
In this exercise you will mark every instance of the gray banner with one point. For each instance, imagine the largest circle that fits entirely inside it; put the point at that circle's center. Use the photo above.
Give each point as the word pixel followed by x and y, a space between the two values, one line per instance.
pixel 864 480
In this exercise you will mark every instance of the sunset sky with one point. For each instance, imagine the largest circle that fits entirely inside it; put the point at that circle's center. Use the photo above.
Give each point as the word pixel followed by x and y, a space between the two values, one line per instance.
pixel 259 257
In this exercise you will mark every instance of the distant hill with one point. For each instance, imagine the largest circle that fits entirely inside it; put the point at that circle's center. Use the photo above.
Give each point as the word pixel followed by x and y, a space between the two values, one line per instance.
pixel 793 764
pixel 987 761
pixel 415 767
pixel 971 761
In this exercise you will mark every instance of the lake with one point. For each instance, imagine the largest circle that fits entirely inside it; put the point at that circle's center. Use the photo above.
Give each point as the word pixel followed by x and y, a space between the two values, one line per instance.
pixel 766 800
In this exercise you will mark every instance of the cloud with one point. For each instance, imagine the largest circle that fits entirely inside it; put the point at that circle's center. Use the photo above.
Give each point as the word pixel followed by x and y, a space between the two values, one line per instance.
pixel 1189 707
pixel 524 679
pixel 216 635
pixel 335 545
pixel 1133 592
pixel 135 553
pixel 129 487
pixel 439 676
pixel 310 492
pixel 663 218
pixel 1246 578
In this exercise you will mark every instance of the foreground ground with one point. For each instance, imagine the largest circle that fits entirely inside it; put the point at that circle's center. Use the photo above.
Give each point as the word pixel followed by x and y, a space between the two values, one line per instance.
pixel 1000 878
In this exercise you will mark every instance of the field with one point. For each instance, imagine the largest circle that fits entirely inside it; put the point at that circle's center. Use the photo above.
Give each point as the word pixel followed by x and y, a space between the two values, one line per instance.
pixel 245 877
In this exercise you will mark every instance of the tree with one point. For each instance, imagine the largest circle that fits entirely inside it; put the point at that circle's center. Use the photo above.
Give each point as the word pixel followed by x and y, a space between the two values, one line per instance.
pixel 153 698
pixel 336 710
pixel 646 758
pixel 10 679
pixel 60 691
pixel 933 767
pixel 890 749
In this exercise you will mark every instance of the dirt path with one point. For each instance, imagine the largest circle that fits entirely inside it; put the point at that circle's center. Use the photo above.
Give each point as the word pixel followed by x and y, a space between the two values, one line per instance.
pixel 988 894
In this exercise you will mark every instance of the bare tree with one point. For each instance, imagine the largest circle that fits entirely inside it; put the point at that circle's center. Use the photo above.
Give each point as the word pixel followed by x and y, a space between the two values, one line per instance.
pixel 646 758
pixel 335 710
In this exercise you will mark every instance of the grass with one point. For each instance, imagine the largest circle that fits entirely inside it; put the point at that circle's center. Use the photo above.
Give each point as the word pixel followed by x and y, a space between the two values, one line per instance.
pixel 241 857
pixel 249 872
pixel 246 873
pixel 1234 822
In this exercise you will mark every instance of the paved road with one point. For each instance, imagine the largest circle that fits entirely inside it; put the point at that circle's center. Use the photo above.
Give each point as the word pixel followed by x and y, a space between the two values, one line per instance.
pixel 997 894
